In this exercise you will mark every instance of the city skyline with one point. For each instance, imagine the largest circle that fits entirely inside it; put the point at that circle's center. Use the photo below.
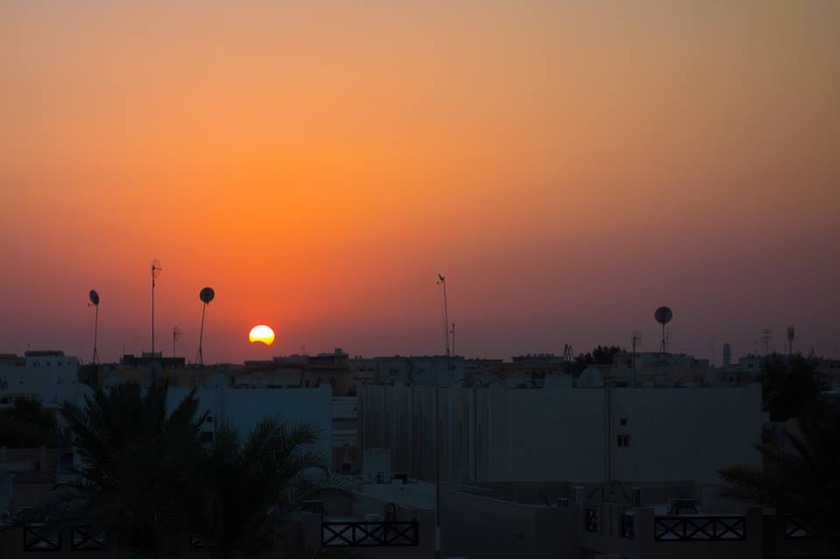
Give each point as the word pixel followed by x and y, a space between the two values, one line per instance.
pixel 569 168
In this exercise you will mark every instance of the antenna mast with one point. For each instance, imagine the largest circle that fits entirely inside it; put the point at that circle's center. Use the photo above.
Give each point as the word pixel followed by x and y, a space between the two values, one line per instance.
pixel 637 341
pixel 155 267
pixel 790 334
pixel 176 333
pixel 442 282
pixel 766 336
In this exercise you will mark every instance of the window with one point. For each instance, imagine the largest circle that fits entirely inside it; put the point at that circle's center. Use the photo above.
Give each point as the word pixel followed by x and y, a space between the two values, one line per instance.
pixel 624 440
pixel 623 422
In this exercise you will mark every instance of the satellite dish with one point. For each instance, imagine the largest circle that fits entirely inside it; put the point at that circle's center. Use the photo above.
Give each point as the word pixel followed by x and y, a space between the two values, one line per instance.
pixel 206 295
pixel 94 297
pixel 663 315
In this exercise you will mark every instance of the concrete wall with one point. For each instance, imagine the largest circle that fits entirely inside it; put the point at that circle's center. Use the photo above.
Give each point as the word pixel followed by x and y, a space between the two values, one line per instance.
pixel 497 434
pixel 478 526
pixel 546 435
pixel 685 434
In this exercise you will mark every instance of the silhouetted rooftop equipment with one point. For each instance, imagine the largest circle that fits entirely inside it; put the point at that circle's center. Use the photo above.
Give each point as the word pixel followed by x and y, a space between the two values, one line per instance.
pixel 155 269
pixel 663 316
pixel 206 295
pixel 94 300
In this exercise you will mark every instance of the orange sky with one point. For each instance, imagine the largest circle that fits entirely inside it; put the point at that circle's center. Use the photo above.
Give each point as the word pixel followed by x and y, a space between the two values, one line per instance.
pixel 568 167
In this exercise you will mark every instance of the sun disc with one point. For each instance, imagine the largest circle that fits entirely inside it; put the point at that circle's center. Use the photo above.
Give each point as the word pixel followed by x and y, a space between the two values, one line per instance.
pixel 261 333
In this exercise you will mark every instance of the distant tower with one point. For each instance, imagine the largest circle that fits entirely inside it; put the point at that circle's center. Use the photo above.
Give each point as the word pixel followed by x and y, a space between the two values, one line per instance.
pixel 727 355
pixel 790 336
pixel 663 316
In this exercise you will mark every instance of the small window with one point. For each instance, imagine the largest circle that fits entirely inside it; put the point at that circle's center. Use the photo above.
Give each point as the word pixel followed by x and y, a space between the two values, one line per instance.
pixel 623 422
pixel 624 440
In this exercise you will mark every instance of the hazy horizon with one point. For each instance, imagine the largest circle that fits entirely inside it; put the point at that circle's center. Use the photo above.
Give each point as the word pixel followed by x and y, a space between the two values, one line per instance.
pixel 568 167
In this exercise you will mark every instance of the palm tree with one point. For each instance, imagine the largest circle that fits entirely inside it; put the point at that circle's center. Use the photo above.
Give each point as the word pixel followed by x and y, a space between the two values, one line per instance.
pixel 802 478
pixel 138 466
pixel 148 481
pixel 253 484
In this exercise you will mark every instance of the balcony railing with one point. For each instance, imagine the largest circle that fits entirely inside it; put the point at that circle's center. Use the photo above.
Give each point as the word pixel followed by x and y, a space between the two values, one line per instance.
pixel 85 538
pixel 369 534
pixel 35 539
pixel 796 529
pixel 699 528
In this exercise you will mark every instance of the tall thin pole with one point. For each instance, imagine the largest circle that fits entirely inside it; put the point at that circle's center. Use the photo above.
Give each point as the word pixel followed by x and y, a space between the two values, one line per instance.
pixel 201 336
pixel 153 310
pixel 95 330
pixel 442 282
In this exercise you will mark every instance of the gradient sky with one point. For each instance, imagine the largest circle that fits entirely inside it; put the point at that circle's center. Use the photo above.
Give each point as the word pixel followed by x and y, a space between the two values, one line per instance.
pixel 569 166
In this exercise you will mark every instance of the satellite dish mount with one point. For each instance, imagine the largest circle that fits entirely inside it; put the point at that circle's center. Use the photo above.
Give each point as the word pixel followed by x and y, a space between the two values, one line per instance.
pixel 663 316
pixel 94 300
pixel 206 295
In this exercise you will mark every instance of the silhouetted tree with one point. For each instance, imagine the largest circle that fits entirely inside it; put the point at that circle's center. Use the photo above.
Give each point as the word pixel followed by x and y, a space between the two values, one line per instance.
pixel 147 480
pixel 27 425
pixel 600 355
pixel 800 478
pixel 251 485
pixel 136 480
pixel 789 386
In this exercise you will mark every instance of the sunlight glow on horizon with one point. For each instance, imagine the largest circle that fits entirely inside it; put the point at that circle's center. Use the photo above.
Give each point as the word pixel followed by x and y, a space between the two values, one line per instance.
pixel 570 166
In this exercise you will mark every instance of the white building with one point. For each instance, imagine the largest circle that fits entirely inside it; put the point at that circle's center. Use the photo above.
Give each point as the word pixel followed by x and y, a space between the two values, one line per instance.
pixel 48 376
pixel 584 434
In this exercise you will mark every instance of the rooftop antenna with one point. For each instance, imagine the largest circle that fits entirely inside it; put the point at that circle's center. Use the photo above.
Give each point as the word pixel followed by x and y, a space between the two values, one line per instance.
pixel 790 335
pixel 766 336
pixel 176 333
pixel 94 300
pixel 637 342
pixel 663 316
pixel 442 282
pixel 155 269
pixel 206 295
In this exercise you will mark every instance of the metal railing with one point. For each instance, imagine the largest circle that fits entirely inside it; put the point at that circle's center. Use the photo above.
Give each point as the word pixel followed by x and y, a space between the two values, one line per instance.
pixel 797 529
pixel 85 538
pixel 35 539
pixel 369 534
pixel 699 528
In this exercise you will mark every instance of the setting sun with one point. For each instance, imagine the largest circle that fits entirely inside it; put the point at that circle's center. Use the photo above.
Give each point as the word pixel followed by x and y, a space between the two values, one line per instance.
pixel 261 333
